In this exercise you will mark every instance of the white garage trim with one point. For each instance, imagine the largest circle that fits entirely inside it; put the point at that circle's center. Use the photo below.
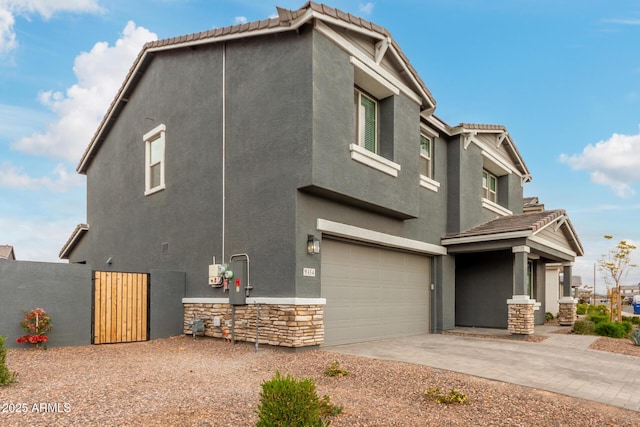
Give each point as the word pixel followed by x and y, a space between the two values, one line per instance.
pixel 365 235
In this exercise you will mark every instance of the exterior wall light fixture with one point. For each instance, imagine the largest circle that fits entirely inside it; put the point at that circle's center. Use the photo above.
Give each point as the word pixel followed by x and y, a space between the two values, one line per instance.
pixel 313 244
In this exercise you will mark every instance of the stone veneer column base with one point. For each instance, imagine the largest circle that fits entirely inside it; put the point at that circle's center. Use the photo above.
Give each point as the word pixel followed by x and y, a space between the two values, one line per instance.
pixel 521 318
pixel 567 311
pixel 284 325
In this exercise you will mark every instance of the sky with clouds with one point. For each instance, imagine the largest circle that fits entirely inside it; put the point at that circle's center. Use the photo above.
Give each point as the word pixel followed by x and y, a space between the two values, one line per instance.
pixel 563 77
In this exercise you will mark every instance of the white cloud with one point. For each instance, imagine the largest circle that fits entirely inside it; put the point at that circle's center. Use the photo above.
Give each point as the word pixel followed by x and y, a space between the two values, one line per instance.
pixel 7 34
pixel 26 8
pixel 36 239
pixel 366 8
pixel 614 162
pixel 59 180
pixel 240 20
pixel 99 74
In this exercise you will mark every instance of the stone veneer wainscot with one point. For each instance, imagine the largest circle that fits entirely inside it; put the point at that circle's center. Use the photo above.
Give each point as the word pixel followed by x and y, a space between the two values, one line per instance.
pixel 283 322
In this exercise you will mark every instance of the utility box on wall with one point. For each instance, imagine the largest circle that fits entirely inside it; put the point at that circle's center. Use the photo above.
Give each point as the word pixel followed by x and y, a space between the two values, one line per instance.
pixel 240 281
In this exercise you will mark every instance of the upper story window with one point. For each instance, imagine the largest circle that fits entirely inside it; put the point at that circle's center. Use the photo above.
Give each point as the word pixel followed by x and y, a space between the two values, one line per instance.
pixel 489 186
pixel 426 167
pixel 154 142
pixel 366 121
pixel 374 111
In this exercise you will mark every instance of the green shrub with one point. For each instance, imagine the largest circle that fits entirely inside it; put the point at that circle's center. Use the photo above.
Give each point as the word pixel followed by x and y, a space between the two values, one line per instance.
pixel 548 316
pixel 635 320
pixel 628 327
pixel 581 309
pixel 6 376
pixel 635 336
pixel 600 309
pixel 334 370
pixel 328 409
pixel 597 318
pixel 454 396
pixel 611 329
pixel 286 401
pixel 583 327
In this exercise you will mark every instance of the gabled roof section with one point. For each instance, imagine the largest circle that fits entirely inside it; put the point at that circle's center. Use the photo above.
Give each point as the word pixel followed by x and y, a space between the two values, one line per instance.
pixel 287 20
pixel 527 225
pixel 6 252
pixel 73 240
pixel 496 141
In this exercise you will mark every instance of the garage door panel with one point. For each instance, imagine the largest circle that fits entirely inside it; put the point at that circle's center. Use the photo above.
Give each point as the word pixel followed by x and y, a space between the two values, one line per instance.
pixel 372 293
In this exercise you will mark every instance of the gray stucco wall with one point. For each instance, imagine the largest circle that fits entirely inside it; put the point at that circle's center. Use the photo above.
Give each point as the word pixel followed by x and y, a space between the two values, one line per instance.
pixel 166 313
pixel 484 282
pixel 268 130
pixel 62 290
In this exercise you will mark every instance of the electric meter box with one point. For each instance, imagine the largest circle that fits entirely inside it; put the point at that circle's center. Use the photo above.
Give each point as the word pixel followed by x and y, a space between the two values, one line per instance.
pixel 238 284
pixel 215 274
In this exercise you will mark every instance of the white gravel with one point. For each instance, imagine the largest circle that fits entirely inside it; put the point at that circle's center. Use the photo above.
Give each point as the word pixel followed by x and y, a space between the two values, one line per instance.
pixel 207 382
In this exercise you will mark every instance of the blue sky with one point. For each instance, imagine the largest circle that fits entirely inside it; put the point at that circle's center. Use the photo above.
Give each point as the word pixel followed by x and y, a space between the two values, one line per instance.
pixel 562 76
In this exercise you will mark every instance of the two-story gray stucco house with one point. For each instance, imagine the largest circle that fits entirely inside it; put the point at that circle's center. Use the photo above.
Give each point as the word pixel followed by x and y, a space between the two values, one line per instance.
pixel 304 150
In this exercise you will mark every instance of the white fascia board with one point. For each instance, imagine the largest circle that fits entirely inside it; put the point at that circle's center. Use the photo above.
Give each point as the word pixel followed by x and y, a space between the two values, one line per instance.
pixel 411 76
pixel 73 241
pixel 553 245
pixel 436 122
pixel 485 238
pixel 370 236
pixel 427 130
pixel 352 50
pixel 259 300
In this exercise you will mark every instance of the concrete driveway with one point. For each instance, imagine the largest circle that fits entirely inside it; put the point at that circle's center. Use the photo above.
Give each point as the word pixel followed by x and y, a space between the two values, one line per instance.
pixel 561 363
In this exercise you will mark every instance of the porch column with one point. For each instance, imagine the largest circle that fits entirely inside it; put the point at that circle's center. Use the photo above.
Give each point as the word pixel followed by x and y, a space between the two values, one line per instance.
pixel 521 307
pixel 567 304
pixel 520 284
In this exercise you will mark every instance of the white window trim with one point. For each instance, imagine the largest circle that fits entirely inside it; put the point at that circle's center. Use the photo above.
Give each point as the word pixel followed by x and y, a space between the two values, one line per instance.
pixel 429 184
pixel 149 137
pixel 360 120
pixel 494 207
pixel 375 161
pixel 487 189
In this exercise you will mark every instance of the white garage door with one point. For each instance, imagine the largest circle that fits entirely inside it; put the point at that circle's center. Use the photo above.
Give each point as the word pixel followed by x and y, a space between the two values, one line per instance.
pixel 373 293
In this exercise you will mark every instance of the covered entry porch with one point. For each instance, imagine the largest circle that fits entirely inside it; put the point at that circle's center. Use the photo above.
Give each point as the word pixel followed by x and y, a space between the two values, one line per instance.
pixel 500 269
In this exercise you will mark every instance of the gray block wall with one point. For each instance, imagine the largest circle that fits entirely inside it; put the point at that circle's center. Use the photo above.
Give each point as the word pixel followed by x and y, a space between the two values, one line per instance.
pixel 62 290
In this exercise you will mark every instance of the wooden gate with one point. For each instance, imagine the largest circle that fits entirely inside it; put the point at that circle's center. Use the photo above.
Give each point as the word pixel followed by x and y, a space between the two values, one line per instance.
pixel 120 307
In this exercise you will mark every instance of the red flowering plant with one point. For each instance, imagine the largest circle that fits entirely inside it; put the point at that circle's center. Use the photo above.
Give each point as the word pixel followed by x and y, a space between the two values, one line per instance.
pixel 36 324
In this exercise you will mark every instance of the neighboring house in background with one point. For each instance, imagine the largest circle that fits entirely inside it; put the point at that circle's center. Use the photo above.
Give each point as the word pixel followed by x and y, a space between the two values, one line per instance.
pixel 6 252
pixel 264 139
pixel 628 291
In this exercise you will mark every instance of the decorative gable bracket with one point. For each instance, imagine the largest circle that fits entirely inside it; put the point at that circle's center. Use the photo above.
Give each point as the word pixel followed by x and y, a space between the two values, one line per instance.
pixel 560 222
pixel 381 49
pixel 467 138
pixel 524 179
pixel 501 138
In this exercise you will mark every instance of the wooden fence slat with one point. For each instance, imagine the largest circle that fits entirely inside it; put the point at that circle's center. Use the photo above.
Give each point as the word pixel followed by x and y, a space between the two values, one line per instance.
pixel 120 307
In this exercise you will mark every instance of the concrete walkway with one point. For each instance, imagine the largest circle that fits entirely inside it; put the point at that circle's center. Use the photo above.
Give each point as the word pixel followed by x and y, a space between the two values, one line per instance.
pixel 561 363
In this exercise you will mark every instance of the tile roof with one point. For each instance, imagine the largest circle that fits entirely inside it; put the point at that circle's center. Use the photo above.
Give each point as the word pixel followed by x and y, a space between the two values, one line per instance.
pixel 528 223
pixel 532 222
pixel 283 22
pixel 73 240
pixel 6 252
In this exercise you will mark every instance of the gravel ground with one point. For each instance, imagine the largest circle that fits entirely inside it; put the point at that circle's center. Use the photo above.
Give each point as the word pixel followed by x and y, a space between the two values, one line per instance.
pixel 207 382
